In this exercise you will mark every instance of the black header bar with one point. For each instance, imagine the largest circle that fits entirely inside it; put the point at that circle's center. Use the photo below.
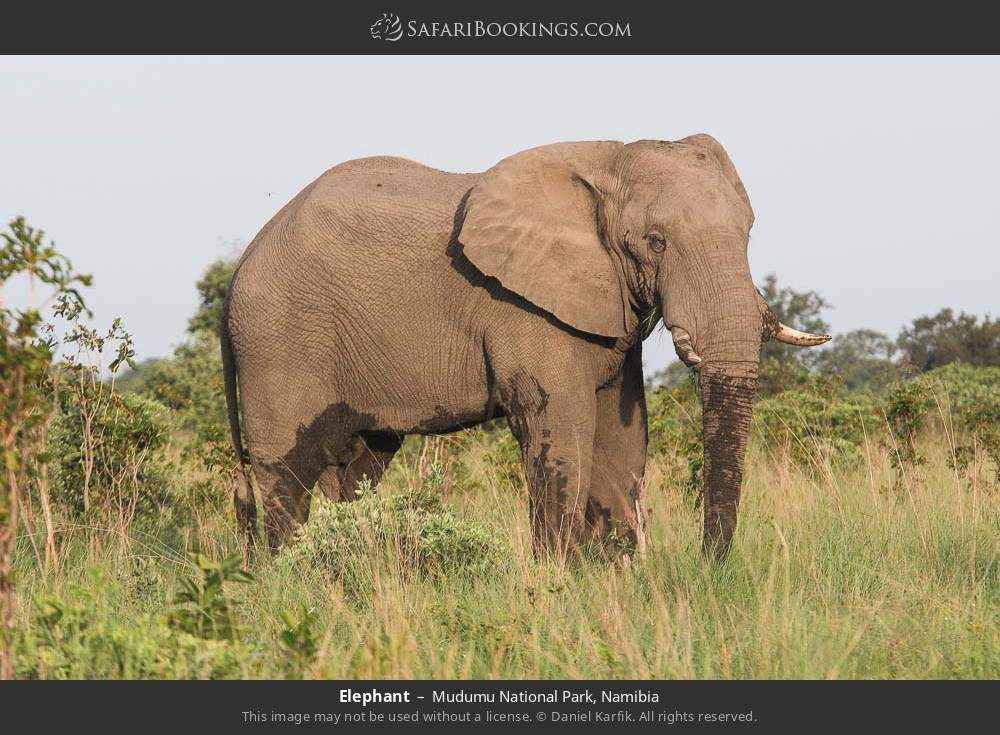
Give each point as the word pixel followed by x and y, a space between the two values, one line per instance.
pixel 438 27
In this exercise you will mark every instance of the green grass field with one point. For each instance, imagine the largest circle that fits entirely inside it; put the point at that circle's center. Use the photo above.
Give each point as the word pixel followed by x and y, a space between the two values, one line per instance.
pixel 836 572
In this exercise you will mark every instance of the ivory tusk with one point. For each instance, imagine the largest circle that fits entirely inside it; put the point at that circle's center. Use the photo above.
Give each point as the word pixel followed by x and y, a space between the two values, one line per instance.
pixel 790 336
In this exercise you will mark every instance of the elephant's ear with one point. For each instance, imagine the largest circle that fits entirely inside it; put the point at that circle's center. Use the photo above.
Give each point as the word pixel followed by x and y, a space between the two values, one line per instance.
pixel 728 169
pixel 532 222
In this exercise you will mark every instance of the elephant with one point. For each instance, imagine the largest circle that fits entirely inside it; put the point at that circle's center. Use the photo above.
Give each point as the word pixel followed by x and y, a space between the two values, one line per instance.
pixel 389 298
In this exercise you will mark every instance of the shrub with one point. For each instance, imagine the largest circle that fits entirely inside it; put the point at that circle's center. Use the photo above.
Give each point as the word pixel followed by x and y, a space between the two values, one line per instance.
pixel 816 424
pixel 973 392
pixel 107 449
pixel 484 452
pixel 299 640
pixel 79 637
pixel 411 531
pixel 973 395
pixel 108 452
pixel 674 421
pixel 906 408
pixel 190 385
pixel 202 608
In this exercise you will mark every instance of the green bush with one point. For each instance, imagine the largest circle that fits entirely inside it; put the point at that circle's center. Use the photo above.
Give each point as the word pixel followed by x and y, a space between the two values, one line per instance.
pixel 816 424
pixel 411 532
pixel 201 607
pixel 486 451
pixel 79 637
pixel 190 385
pixel 674 421
pixel 973 392
pixel 299 640
pixel 907 406
pixel 108 449
pixel 973 400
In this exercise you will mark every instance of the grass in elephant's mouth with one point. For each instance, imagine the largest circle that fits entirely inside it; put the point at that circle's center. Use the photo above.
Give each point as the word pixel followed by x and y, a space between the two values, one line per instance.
pixel 841 573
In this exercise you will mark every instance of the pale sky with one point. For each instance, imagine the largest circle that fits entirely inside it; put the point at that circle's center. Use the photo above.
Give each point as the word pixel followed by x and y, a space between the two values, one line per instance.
pixel 875 180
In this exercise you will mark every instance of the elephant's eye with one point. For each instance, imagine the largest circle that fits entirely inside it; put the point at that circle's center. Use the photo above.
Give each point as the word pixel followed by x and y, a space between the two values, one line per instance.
pixel 657 243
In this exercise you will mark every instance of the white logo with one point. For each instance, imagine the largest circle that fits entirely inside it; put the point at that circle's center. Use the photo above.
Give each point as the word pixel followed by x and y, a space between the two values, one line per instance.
pixel 387 28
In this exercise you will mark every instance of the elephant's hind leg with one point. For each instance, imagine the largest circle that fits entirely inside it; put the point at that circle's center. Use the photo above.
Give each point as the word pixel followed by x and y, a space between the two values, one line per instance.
pixel 285 489
pixel 365 455
pixel 288 454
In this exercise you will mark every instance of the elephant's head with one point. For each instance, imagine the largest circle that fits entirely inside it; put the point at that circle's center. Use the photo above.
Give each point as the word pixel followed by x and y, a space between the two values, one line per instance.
pixel 599 233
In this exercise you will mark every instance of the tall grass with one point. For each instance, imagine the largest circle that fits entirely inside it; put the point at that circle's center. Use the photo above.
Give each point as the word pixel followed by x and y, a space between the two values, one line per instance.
pixel 837 571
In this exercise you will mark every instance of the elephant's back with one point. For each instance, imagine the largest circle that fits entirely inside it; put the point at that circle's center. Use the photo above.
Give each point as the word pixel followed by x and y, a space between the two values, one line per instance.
pixel 363 204
pixel 364 243
pixel 387 178
pixel 380 199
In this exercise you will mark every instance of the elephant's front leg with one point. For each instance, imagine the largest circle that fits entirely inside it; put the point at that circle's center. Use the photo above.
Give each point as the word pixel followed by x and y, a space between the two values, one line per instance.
pixel 615 512
pixel 556 434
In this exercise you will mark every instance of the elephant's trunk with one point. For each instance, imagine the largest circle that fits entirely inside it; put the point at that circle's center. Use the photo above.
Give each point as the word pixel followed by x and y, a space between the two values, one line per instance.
pixel 718 326
pixel 727 407
pixel 727 357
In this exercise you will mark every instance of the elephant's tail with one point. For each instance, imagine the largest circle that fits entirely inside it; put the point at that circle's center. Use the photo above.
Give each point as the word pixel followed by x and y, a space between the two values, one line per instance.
pixel 243 498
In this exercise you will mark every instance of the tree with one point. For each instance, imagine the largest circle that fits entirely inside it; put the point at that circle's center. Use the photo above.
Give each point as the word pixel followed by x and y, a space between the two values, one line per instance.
pixel 136 378
pixel 934 341
pixel 862 359
pixel 212 289
pixel 26 410
pixel 783 366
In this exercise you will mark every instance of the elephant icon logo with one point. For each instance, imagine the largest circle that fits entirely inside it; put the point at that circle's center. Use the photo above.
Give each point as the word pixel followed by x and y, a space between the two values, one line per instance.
pixel 387 28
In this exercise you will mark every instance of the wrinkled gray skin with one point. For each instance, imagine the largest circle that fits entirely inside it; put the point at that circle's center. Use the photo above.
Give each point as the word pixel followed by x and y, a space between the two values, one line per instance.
pixel 389 298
